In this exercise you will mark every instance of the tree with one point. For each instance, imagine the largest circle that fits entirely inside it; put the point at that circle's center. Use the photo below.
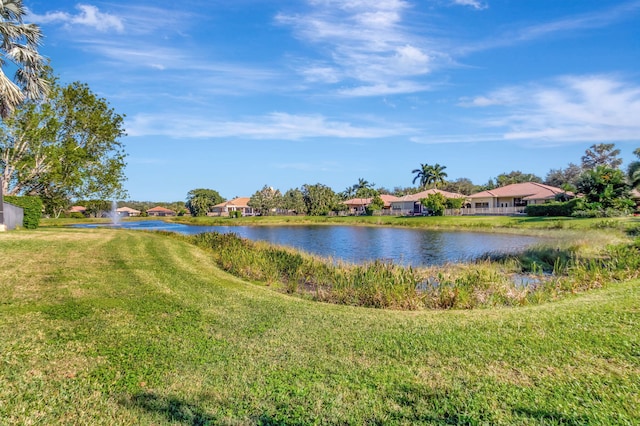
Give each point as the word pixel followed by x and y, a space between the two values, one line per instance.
pixel 376 204
pixel 265 200
pixel 516 176
pixel 319 199
pixel 428 175
pixel 423 175
pixel 435 203
pixel 364 189
pixel 67 147
pixel 200 201
pixel 605 188
pixel 19 48
pixel 633 172
pixel 566 179
pixel 603 154
pixel 461 186
pixel 293 201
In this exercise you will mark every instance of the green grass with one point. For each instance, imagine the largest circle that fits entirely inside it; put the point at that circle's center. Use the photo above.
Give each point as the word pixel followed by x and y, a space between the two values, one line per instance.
pixel 433 222
pixel 124 327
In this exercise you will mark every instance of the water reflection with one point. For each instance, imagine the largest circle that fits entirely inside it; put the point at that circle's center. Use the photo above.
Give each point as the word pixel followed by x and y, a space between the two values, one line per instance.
pixel 415 247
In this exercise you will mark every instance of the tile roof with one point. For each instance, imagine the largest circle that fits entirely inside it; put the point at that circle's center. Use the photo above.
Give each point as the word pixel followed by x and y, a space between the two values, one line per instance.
pixel 160 209
pixel 127 209
pixel 236 202
pixel 388 199
pixel 526 191
pixel 424 194
pixel 77 209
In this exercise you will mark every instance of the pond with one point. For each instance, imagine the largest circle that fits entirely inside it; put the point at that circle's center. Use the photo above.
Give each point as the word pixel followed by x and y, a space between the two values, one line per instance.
pixel 358 244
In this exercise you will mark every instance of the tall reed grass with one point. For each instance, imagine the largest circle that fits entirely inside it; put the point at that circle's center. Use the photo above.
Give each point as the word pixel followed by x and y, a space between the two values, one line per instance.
pixel 537 275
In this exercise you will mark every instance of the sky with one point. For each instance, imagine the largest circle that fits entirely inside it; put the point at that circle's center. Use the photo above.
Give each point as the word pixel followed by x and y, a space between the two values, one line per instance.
pixel 233 95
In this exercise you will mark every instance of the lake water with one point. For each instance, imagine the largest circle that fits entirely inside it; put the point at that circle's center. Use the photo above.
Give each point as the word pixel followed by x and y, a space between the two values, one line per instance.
pixel 358 244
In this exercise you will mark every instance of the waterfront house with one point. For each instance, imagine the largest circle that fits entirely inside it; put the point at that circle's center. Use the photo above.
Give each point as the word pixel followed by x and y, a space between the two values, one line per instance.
pixel 513 199
pixel 127 212
pixel 77 209
pixel 410 205
pixel 160 211
pixel 358 206
pixel 237 204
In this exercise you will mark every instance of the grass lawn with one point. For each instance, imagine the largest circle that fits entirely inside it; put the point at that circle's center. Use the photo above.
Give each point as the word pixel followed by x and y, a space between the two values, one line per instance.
pixel 102 326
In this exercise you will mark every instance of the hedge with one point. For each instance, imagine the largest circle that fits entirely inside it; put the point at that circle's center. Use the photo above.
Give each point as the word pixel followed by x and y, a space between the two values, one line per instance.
pixel 553 208
pixel 32 207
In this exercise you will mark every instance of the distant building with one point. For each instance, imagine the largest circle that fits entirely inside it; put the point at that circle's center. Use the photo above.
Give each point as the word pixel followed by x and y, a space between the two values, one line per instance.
pixel 512 199
pixel 358 206
pixel 127 212
pixel 77 209
pixel 411 205
pixel 160 211
pixel 237 204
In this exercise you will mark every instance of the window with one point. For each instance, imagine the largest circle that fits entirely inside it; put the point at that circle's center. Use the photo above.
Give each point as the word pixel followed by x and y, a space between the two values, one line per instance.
pixel 484 205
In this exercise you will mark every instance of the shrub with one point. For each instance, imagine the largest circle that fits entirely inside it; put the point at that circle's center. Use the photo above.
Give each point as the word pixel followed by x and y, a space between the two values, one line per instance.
pixel 32 207
pixel 553 208
pixel 436 203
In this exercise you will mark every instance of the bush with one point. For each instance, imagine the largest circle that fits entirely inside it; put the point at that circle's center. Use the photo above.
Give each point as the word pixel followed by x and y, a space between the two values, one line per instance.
pixel 32 207
pixel 436 203
pixel 553 208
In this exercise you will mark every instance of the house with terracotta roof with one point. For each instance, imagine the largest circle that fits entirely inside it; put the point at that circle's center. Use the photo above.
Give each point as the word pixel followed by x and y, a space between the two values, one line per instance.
pixel 77 209
pixel 358 206
pixel 127 212
pixel 237 204
pixel 410 204
pixel 160 211
pixel 512 199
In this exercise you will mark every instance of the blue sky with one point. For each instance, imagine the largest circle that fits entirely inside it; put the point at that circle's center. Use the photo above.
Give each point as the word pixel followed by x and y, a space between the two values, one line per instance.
pixel 233 95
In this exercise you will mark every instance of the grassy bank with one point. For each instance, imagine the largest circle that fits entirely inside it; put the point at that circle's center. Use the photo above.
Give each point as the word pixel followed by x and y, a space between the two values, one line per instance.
pixel 504 223
pixel 116 327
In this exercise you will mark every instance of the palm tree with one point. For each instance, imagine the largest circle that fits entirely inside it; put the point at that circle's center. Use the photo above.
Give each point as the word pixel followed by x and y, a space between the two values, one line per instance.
pixel 423 174
pixel 634 171
pixel 363 188
pixel 19 43
pixel 437 174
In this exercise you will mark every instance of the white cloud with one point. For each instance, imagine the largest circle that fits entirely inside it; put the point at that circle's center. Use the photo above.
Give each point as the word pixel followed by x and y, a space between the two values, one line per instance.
pixel 595 108
pixel 471 3
pixel 88 16
pixel 276 125
pixel 580 22
pixel 365 44
pixel 395 88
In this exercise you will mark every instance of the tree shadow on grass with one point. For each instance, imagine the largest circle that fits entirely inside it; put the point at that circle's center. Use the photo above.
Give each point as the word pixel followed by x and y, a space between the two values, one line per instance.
pixel 175 409
pixel 552 418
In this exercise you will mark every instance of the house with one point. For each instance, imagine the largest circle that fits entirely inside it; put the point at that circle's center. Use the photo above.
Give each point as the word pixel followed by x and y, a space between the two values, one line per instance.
pixel 77 209
pixel 127 212
pixel 237 204
pixel 410 204
pixel 160 211
pixel 358 206
pixel 512 199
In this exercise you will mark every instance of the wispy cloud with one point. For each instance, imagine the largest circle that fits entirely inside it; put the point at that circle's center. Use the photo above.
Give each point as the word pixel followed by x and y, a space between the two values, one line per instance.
pixel 478 5
pixel 594 108
pixel 364 44
pixel 276 125
pixel 580 22
pixel 87 16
